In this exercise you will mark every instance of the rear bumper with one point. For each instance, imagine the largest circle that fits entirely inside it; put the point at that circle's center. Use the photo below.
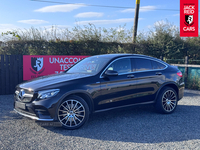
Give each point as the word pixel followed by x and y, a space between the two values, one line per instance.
pixel 181 90
pixel 32 117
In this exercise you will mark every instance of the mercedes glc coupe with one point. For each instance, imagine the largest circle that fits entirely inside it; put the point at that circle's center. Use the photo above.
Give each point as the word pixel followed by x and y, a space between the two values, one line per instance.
pixel 99 83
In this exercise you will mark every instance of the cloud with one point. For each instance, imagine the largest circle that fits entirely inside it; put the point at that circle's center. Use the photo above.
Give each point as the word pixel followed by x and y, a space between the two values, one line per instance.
pixel 60 8
pixel 142 9
pixel 149 26
pixel 89 14
pixel 123 20
pixel 158 23
pixel 7 27
pixel 57 26
pixel 176 15
pixel 120 29
pixel 33 21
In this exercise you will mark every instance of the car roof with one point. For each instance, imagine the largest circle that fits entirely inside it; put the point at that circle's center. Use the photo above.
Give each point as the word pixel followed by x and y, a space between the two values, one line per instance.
pixel 118 55
pixel 111 56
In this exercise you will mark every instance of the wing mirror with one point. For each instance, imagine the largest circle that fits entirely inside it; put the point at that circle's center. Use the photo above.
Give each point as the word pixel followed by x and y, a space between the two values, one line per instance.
pixel 111 73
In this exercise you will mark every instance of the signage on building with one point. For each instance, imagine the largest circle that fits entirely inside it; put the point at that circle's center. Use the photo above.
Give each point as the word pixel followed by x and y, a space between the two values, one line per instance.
pixel 40 65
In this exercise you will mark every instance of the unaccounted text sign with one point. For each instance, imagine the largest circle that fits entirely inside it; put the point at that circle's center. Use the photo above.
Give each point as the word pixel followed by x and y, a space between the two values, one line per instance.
pixel 39 65
pixel 189 18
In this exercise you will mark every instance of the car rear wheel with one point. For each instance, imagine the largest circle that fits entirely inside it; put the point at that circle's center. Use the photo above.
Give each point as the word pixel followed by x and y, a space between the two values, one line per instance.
pixel 167 101
pixel 73 112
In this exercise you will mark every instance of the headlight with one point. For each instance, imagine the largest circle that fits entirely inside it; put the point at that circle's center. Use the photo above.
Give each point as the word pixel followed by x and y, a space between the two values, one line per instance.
pixel 47 93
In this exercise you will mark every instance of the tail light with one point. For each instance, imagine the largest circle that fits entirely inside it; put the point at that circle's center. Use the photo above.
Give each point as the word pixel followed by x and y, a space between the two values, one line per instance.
pixel 180 74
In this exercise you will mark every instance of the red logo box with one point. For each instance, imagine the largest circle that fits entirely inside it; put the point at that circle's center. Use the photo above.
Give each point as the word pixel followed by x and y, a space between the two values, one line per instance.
pixel 189 18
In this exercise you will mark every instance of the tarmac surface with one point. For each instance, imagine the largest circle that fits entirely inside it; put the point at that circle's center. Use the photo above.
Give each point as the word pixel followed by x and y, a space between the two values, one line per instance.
pixel 138 127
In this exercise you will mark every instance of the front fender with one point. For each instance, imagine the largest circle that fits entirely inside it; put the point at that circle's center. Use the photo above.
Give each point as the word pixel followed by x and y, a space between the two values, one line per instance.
pixel 75 92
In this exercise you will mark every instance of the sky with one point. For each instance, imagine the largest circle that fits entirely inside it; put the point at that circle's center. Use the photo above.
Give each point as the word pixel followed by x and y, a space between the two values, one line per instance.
pixel 25 14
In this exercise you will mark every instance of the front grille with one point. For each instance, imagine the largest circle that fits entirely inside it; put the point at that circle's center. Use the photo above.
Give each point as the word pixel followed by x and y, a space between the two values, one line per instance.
pixel 25 90
pixel 24 95
pixel 26 99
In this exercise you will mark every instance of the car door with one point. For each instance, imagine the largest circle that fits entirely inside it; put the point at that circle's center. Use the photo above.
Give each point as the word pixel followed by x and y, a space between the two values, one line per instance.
pixel 149 75
pixel 117 90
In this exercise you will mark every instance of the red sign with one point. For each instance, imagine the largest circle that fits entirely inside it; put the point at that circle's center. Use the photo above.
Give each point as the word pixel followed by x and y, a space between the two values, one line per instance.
pixel 189 18
pixel 39 65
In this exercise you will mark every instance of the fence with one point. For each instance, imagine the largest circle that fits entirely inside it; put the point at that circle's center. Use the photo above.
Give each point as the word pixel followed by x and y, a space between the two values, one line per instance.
pixel 189 67
pixel 193 70
pixel 11 73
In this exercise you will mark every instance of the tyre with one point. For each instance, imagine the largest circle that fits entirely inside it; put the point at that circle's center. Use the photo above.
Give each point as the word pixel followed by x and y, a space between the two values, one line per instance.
pixel 73 112
pixel 166 101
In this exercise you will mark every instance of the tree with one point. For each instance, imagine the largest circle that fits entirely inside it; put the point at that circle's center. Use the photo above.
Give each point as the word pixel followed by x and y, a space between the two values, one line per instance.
pixel 162 40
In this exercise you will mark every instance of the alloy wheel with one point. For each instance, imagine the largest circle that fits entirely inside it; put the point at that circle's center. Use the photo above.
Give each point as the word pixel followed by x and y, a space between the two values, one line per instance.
pixel 71 113
pixel 169 100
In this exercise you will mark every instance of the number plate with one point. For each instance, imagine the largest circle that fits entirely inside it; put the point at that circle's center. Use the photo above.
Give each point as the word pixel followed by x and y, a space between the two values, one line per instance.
pixel 20 105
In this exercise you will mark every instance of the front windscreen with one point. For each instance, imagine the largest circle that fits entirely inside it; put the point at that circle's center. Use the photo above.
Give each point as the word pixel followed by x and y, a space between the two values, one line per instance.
pixel 89 65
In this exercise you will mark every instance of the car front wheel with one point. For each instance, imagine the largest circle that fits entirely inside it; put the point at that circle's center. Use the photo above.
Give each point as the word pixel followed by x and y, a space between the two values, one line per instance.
pixel 166 101
pixel 73 112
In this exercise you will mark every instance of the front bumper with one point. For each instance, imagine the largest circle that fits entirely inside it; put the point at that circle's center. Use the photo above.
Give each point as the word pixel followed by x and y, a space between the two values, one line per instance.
pixel 43 110
pixel 32 117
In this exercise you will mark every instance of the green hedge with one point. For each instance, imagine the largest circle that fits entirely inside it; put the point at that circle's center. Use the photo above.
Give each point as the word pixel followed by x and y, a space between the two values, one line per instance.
pixel 90 47
pixel 162 40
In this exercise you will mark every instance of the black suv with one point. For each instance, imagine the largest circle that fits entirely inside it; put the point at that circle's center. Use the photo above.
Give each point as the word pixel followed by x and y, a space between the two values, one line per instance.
pixel 100 83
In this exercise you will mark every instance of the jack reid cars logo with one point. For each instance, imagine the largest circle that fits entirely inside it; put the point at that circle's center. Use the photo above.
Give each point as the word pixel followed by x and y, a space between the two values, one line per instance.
pixel 189 10
pixel 37 65
pixel 189 20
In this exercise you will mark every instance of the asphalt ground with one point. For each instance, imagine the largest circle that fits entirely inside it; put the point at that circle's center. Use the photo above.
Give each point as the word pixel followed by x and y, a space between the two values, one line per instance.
pixel 138 127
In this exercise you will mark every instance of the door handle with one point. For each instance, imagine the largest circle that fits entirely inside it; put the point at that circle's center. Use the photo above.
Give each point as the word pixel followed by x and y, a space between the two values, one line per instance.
pixel 158 73
pixel 130 76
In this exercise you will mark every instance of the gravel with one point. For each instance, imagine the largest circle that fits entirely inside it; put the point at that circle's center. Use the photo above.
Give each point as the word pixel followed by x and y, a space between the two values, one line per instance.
pixel 138 127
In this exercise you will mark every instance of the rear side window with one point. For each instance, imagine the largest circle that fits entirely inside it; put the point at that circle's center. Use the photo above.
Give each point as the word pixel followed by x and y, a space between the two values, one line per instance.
pixel 157 65
pixel 142 64
pixel 161 66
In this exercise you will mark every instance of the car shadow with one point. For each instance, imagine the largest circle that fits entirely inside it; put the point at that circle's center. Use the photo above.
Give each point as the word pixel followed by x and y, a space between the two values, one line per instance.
pixel 140 124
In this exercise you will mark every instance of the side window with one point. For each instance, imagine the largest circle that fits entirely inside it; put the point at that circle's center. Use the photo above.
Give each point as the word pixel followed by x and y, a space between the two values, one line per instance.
pixel 142 64
pixel 121 65
pixel 157 65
